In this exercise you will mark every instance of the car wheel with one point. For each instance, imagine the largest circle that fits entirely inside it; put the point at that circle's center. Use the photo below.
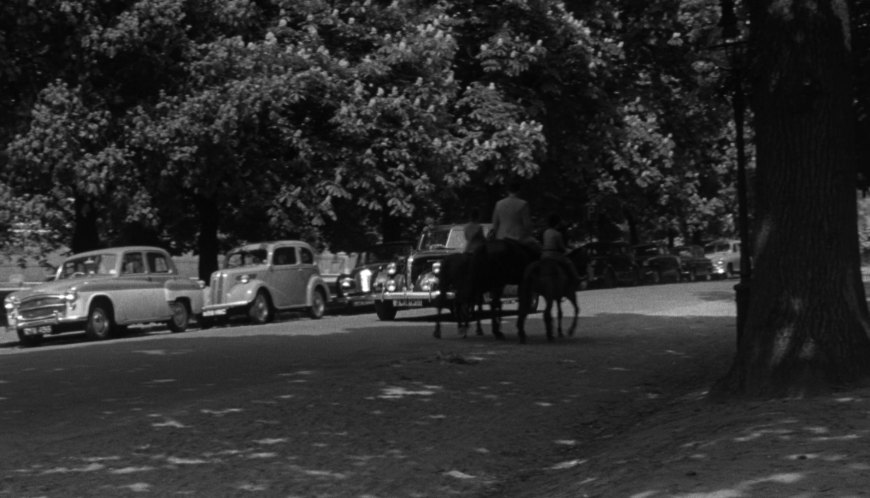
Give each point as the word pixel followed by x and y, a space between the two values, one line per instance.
pixel 260 309
pixel 692 276
pixel 180 316
pixel 655 277
pixel 318 304
pixel 385 310
pixel 100 323
pixel 729 272
pixel 29 340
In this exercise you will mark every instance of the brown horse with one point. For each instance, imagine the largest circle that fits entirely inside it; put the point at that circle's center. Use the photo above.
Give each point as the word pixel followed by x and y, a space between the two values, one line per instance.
pixel 495 264
pixel 550 279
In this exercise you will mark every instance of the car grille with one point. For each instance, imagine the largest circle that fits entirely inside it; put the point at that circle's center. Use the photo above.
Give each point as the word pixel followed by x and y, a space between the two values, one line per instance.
pixel 40 307
pixel 218 282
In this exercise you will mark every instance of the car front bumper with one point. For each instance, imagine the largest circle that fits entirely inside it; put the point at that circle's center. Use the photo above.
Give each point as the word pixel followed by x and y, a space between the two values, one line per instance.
pixel 224 309
pixel 412 298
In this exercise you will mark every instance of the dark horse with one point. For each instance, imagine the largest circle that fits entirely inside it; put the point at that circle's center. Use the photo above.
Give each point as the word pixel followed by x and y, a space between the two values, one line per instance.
pixel 495 264
pixel 550 279
pixel 455 277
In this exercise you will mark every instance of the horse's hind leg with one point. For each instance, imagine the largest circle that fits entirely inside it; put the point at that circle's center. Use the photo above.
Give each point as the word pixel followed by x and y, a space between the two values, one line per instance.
pixel 548 318
pixel 572 298
pixel 559 315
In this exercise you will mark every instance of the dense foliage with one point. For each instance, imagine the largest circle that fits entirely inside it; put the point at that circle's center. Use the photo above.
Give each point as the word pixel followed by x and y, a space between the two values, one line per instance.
pixel 196 124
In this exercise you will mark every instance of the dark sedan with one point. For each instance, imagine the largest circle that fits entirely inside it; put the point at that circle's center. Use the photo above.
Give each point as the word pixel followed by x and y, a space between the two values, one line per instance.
pixel 356 287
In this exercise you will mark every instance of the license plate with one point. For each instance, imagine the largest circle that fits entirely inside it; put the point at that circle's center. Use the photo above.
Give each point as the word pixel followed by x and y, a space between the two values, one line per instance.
pixel 219 312
pixel 411 303
pixel 45 329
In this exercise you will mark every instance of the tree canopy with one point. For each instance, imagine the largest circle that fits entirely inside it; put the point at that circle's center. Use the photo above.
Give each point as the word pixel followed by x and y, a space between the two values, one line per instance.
pixel 200 123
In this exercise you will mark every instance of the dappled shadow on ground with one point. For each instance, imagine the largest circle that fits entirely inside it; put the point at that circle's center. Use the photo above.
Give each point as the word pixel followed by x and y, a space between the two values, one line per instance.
pixel 390 415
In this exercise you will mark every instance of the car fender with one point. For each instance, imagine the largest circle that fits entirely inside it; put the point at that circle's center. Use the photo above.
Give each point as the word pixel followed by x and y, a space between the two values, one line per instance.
pixel 314 283
pixel 245 293
pixel 193 293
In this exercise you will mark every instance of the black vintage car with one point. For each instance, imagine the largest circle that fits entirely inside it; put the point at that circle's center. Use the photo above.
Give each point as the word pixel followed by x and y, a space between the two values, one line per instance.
pixel 606 264
pixel 368 275
pixel 412 282
pixel 693 264
pixel 657 264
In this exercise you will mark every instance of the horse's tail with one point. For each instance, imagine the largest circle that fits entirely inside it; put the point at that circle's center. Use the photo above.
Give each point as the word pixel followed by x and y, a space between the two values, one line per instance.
pixel 527 287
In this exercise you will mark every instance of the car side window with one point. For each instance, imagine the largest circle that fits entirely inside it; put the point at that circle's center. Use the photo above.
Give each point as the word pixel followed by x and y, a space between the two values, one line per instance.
pixel 132 263
pixel 284 256
pixel 306 256
pixel 157 263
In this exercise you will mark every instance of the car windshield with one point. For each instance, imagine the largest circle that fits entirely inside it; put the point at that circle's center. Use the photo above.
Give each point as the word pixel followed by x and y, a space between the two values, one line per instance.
pixel 442 238
pixel 385 253
pixel 243 257
pixel 95 264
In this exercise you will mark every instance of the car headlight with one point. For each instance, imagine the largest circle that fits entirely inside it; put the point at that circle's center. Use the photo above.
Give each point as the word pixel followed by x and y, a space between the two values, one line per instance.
pixel 245 278
pixel 392 269
pixel 436 267
pixel 391 286
pixel 10 303
pixel 71 295
pixel 429 282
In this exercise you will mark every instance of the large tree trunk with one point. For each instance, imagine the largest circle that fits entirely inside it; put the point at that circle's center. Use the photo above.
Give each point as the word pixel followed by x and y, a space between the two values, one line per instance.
pixel 807 323
pixel 208 237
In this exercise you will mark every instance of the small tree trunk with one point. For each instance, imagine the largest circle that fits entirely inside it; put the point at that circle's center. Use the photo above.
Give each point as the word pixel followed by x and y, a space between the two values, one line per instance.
pixel 86 235
pixel 807 322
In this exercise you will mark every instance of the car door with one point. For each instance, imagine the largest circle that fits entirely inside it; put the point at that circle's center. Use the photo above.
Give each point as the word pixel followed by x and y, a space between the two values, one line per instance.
pixel 282 276
pixel 137 297
pixel 159 274
pixel 306 271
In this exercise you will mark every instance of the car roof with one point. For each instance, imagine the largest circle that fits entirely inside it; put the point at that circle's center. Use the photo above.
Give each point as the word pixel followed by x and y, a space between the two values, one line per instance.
pixel 116 249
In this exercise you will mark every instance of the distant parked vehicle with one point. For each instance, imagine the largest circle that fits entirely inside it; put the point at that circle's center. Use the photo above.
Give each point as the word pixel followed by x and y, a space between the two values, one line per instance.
pixel 103 291
pixel 725 255
pixel 259 280
pixel 693 264
pixel 657 264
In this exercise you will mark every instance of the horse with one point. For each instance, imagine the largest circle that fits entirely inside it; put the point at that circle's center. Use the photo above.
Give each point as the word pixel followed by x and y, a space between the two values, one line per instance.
pixel 550 279
pixel 455 276
pixel 495 264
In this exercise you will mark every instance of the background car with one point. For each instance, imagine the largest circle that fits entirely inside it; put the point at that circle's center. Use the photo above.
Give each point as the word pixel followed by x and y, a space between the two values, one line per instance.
pixel 103 291
pixel 693 264
pixel 725 255
pixel 356 286
pixel 412 282
pixel 656 263
pixel 259 280
pixel 607 264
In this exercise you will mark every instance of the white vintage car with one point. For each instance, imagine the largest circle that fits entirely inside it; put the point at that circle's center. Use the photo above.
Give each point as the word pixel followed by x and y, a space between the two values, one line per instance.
pixel 258 280
pixel 103 291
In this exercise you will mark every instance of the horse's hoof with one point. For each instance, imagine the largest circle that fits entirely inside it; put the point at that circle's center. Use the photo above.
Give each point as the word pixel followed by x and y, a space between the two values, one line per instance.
pixel 437 335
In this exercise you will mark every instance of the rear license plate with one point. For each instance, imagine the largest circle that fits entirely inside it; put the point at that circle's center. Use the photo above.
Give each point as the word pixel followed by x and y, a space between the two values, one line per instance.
pixel 45 329
pixel 219 312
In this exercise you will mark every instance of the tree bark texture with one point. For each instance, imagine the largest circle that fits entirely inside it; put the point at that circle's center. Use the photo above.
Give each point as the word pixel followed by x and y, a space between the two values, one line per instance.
pixel 86 235
pixel 807 322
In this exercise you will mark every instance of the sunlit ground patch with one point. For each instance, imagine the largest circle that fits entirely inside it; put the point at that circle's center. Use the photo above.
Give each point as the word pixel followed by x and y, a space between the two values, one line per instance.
pixel 220 413
pixel 394 392
pixel 131 470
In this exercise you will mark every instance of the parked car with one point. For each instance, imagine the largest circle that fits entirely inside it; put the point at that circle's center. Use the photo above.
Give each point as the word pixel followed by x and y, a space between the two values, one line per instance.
pixel 102 292
pixel 656 263
pixel 693 264
pixel 412 282
pixel 608 264
pixel 725 255
pixel 357 286
pixel 259 280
